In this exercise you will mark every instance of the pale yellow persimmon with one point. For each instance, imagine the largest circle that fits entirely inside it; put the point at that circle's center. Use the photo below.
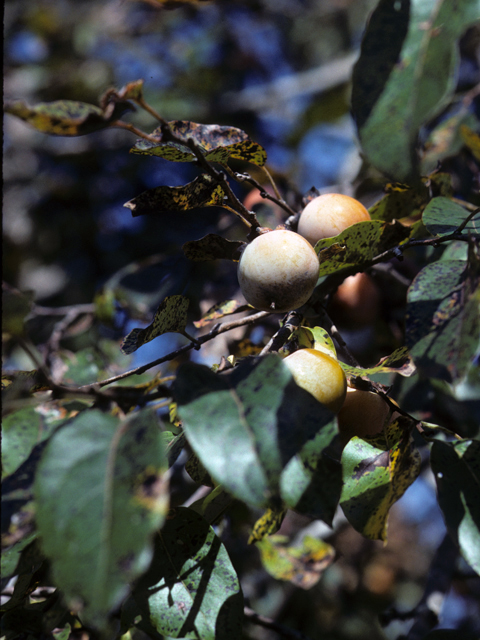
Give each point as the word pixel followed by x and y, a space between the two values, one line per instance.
pixel 278 271
pixel 319 374
pixel 328 215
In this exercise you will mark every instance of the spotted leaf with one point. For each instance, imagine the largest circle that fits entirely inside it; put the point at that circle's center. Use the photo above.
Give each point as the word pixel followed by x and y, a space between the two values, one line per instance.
pixel 171 316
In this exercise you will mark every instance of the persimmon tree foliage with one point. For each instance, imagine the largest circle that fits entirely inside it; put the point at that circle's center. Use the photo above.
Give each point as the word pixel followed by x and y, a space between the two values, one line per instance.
pixel 89 464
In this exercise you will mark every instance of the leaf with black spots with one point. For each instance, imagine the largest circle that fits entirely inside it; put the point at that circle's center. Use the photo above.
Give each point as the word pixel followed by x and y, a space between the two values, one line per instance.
pixel 443 318
pixel 302 564
pixel 217 143
pixel 201 192
pixel 405 75
pixel 376 473
pixel 220 311
pixel 213 247
pixel 100 493
pixel 443 217
pixel 457 472
pixel 66 117
pixel 171 316
pixel 191 589
pixel 359 244
pixel 399 361
pixel 268 524
pixel 262 421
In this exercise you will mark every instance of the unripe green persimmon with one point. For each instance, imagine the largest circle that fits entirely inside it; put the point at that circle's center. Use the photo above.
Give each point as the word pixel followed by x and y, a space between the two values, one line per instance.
pixel 319 374
pixel 278 271
pixel 328 215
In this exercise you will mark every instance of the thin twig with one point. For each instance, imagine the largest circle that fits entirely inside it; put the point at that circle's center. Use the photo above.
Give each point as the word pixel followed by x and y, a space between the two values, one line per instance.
pixel 293 321
pixel 268 623
pixel 120 124
pixel 141 103
pixel 217 330
pixel 245 177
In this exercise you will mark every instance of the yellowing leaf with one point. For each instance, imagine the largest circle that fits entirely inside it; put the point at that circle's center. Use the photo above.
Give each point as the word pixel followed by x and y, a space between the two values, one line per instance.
pixel 266 525
pixel 302 565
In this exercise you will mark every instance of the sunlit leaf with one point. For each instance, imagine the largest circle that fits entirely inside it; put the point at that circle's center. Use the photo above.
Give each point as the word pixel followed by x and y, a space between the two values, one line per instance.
pixel 201 192
pixel 397 362
pixel 302 564
pixel 25 428
pixel 316 338
pixel 405 75
pixel 442 217
pixel 217 143
pixel 171 316
pixel 213 247
pixel 66 117
pixel 443 318
pixel 376 473
pixel 100 494
pixel 311 483
pixel 219 311
pixel 457 472
pixel 253 419
pixel 269 523
pixel 191 589
pixel 358 244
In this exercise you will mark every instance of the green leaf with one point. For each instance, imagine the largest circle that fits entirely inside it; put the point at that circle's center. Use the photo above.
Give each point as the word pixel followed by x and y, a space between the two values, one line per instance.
pixel 442 217
pixel 443 318
pixel 99 496
pixel 404 78
pixel 446 139
pixel 197 471
pixel 25 428
pixel 218 144
pixel 11 556
pixel 359 244
pixel 376 473
pixel 311 483
pixel 457 472
pixel 191 589
pixel 253 419
pixel 397 362
pixel 400 201
pixel 316 338
pixel 213 247
pixel 220 311
pixel 214 505
pixel 201 192
pixel 302 564
pixel 171 316
pixel 66 117
pixel 269 523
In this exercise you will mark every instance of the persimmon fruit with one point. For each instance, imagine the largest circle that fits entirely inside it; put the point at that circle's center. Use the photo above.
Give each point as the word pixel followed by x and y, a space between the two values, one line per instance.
pixel 328 215
pixel 320 374
pixel 278 271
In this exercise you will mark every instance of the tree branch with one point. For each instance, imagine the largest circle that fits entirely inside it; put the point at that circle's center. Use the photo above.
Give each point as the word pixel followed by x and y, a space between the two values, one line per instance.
pixel 268 623
pixel 213 333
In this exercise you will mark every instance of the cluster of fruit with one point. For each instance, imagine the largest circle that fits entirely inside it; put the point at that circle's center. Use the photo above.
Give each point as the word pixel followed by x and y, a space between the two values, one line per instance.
pixel 278 272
